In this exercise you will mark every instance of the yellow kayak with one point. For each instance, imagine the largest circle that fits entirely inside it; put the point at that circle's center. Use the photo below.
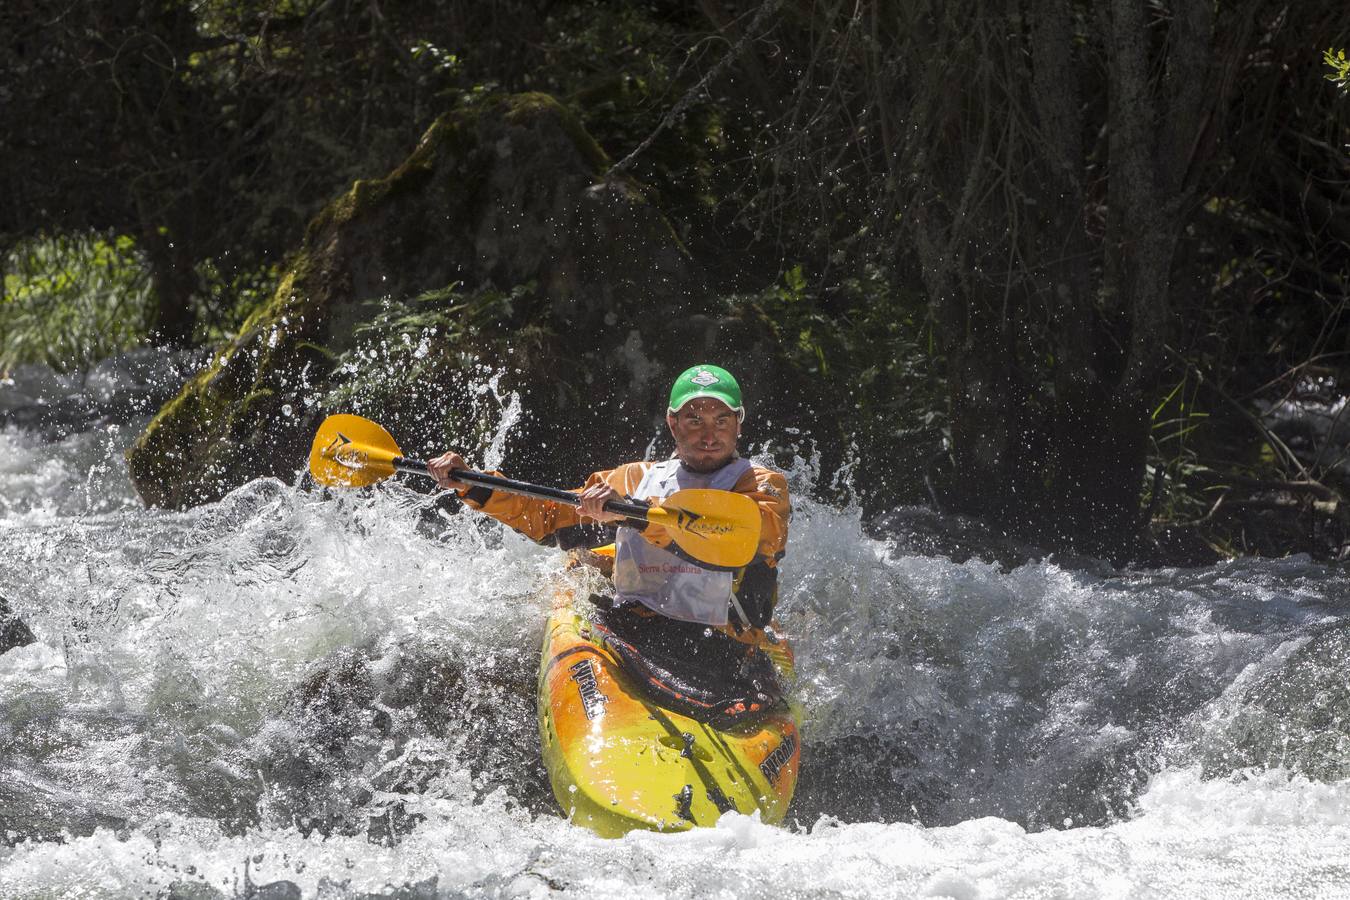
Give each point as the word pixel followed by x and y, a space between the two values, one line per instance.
pixel 625 752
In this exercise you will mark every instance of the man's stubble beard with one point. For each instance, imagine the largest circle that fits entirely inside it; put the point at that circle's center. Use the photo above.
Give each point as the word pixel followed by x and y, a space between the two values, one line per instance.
pixel 705 469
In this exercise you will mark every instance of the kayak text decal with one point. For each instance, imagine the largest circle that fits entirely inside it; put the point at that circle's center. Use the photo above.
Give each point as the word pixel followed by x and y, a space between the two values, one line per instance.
pixel 774 762
pixel 592 701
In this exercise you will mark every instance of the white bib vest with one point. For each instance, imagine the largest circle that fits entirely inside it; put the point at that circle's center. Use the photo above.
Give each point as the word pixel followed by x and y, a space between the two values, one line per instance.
pixel 660 580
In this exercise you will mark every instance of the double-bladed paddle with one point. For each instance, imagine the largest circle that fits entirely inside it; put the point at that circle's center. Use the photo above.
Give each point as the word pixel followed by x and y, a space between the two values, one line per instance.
pixel 717 528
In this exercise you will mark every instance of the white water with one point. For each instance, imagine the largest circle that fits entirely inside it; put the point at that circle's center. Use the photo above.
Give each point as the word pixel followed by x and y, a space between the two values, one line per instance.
pixel 1045 732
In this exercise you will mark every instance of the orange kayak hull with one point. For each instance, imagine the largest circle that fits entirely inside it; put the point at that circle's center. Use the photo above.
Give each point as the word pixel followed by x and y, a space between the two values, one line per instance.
pixel 618 762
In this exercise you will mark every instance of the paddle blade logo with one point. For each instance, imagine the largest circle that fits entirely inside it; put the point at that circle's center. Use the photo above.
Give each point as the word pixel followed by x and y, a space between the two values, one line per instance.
pixel 702 525
pixel 340 461
pixel 343 452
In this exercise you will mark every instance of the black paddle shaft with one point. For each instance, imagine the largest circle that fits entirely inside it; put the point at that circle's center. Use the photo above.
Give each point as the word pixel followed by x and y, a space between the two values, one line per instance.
pixel 523 488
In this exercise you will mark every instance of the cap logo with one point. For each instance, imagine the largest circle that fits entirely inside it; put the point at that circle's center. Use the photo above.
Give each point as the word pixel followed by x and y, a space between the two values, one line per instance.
pixel 704 378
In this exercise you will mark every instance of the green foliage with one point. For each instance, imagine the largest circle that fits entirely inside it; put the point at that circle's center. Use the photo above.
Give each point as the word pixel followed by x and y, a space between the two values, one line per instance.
pixel 1174 459
pixel 1340 68
pixel 72 300
pixel 811 336
pixel 437 59
pixel 824 144
pixel 872 340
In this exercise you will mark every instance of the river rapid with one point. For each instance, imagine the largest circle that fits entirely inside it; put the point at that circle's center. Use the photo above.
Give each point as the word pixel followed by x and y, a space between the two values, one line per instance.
pixel 292 693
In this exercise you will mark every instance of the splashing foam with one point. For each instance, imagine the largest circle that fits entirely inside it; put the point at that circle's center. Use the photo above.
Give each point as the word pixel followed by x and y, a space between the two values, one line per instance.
pixel 337 692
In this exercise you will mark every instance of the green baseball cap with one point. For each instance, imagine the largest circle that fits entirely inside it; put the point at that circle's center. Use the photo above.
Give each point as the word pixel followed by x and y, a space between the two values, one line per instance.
pixel 706 381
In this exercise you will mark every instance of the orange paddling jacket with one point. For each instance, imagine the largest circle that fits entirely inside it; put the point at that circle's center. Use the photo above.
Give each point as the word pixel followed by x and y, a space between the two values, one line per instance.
pixel 562 525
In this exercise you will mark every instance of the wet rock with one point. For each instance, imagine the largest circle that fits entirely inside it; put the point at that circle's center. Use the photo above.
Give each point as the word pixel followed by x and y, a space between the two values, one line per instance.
pixel 419 890
pixel 1294 716
pixel 13 632
pixel 34 809
pixel 926 531
pixel 357 729
pixel 859 778
pixel 182 890
pixel 427 683
pixel 276 890
pixel 312 755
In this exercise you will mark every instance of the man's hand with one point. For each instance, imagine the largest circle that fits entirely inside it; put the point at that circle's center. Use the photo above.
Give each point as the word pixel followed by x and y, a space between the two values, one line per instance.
pixel 440 469
pixel 593 501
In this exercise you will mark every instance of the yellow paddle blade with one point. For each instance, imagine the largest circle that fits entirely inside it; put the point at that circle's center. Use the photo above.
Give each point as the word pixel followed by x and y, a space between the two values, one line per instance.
pixel 352 451
pixel 720 528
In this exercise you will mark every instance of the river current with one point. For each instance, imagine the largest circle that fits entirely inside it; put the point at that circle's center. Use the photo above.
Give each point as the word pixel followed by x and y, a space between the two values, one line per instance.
pixel 291 693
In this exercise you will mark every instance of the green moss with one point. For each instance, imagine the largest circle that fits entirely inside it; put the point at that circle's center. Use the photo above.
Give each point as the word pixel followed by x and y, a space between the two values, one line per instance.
pixel 520 108
pixel 318 350
pixel 365 194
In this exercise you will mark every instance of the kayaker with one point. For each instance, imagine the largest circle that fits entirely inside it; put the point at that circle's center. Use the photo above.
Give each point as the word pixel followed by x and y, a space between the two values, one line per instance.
pixel 704 415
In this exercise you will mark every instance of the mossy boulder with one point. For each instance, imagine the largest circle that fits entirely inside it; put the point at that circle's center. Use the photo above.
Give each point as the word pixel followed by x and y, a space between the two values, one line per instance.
pixel 511 253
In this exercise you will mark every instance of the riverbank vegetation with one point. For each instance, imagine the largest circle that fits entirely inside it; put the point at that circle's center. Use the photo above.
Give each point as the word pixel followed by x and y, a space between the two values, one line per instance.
pixel 1077 267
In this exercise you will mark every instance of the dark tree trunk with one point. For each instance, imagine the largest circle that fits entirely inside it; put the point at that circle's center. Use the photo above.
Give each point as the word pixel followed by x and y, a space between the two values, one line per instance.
pixel 176 284
pixel 1058 176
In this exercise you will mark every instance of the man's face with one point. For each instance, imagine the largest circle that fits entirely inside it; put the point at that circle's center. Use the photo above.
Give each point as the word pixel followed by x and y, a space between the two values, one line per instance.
pixel 705 432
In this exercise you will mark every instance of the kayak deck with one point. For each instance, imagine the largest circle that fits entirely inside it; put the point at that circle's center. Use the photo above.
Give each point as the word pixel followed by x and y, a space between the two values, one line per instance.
pixel 619 762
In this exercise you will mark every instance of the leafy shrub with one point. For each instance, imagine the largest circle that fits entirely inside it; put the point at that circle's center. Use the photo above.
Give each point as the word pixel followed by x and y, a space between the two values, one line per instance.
pixel 71 300
pixel 1340 68
pixel 874 341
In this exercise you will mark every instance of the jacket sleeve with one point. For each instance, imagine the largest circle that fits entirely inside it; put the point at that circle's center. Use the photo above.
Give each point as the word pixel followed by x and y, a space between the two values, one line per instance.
pixel 769 489
pixel 547 521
